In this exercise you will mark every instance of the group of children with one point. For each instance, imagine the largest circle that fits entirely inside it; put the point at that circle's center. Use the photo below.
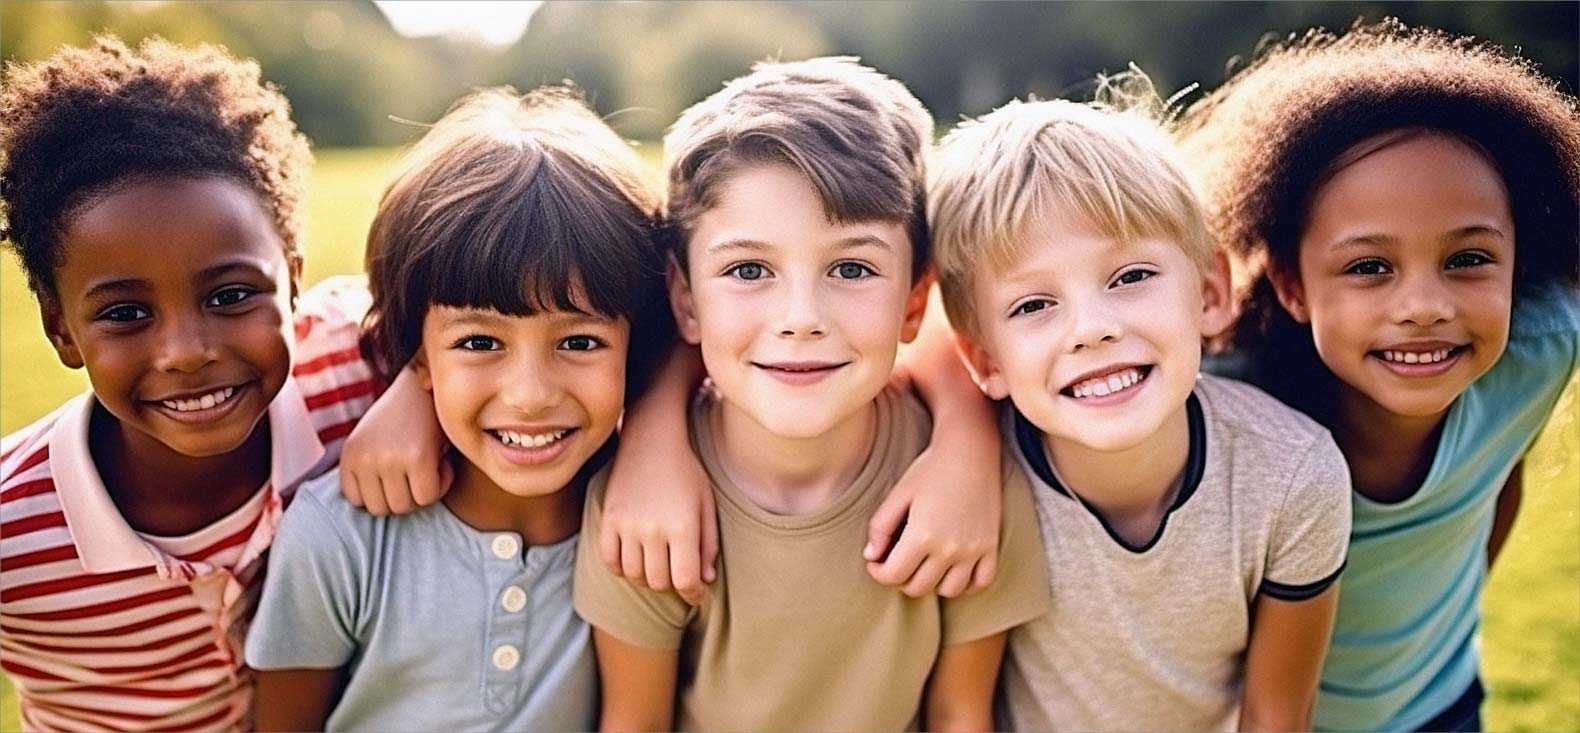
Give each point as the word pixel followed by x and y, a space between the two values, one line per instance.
pixel 1146 547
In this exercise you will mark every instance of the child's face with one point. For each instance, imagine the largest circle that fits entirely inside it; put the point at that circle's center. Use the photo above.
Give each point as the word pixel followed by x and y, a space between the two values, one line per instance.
pixel 175 294
pixel 526 399
pixel 1407 273
pixel 1098 343
pixel 799 317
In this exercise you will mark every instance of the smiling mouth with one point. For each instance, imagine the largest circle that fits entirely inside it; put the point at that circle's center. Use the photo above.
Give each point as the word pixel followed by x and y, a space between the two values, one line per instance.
pixel 799 367
pixel 516 439
pixel 1114 382
pixel 201 402
pixel 1433 356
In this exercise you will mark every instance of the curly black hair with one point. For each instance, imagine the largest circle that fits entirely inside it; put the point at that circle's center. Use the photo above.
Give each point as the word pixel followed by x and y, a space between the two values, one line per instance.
pixel 1263 142
pixel 87 120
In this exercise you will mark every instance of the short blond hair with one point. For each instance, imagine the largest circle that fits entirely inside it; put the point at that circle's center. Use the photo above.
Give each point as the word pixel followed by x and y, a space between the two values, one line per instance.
pixel 1109 162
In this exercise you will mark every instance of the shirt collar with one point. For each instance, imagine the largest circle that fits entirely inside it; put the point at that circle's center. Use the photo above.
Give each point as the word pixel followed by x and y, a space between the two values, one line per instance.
pixel 105 542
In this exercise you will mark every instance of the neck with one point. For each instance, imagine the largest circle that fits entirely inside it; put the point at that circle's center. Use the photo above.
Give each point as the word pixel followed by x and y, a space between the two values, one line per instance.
pixel 540 520
pixel 165 493
pixel 1389 454
pixel 1132 489
pixel 792 476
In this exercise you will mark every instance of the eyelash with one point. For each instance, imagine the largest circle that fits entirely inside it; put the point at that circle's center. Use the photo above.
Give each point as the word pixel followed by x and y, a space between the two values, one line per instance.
pixel 246 294
pixel 465 343
pixel 1478 259
pixel 735 271
pixel 1145 274
pixel 1024 308
pixel 866 270
pixel 595 342
pixel 109 314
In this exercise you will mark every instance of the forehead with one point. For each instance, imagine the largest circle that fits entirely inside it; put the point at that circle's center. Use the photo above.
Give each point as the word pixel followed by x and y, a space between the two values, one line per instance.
pixel 451 316
pixel 774 205
pixel 1422 182
pixel 168 228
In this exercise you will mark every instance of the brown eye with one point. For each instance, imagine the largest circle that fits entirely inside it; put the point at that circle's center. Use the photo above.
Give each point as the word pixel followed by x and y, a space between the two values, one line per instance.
pixel 580 343
pixel 1369 267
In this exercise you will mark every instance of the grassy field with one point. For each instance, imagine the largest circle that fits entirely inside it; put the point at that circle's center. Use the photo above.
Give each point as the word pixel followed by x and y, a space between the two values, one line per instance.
pixel 1531 637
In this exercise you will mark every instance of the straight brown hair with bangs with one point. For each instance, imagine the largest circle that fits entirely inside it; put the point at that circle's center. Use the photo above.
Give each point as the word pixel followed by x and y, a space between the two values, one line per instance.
pixel 519 204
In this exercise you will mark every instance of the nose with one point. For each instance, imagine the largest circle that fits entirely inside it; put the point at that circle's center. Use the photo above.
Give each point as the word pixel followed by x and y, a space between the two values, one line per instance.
pixel 800 315
pixel 1093 323
pixel 531 387
pixel 1422 300
pixel 186 343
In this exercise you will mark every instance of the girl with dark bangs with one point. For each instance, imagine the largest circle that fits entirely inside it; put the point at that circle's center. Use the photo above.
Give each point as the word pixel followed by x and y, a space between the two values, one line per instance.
pixel 512 264
pixel 1402 205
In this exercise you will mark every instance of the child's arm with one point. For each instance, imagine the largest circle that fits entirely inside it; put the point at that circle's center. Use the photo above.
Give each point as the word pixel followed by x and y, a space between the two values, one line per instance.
pixel 959 693
pixel 1508 507
pixel 638 685
pixel 296 699
pixel 393 461
pixel 1283 662
pixel 659 526
pixel 938 529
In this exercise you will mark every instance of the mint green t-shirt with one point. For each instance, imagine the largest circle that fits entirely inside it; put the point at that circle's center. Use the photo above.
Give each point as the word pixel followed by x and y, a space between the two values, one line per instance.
pixel 1405 643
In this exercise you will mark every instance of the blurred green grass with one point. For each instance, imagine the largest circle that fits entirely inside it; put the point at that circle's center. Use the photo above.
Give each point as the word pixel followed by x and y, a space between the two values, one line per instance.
pixel 1531 635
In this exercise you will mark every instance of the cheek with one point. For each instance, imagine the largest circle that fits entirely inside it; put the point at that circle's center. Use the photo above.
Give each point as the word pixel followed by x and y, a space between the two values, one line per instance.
pixel 269 340
pixel 602 391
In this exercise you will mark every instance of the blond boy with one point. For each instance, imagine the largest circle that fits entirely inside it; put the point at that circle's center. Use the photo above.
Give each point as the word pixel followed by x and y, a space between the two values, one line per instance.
pixel 1193 526
pixel 797 193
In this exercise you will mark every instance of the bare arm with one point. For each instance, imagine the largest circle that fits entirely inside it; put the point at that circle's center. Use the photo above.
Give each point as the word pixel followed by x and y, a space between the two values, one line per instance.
pixel 296 699
pixel 1508 508
pixel 960 690
pixel 659 527
pixel 937 532
pixel 393 461
pixel 1289 640
pixel 638 685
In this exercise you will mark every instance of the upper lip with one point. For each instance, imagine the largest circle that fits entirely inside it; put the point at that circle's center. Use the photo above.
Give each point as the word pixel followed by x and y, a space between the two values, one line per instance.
pixel 1101 372
pixel 193 394
pixel 801 366
pixel 1423 345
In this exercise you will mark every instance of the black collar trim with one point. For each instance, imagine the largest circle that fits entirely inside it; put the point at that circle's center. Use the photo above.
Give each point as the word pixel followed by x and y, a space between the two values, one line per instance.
pixel 1030 441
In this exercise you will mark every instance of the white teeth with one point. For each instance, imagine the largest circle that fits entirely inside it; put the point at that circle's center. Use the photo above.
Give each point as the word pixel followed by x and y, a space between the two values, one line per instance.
pixel 1103 386
pixel 200 403
pixel 1417 357
pixel 511 437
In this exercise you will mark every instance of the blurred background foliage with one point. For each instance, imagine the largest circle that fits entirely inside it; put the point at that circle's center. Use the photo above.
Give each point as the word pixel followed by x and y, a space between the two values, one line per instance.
pixel 347 71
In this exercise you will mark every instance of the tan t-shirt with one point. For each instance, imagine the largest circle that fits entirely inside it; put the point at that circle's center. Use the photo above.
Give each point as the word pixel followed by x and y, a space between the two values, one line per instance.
pixel 794 634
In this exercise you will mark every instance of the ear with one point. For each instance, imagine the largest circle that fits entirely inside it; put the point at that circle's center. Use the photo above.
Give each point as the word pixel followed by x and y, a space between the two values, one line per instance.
pixel 419 364
pixel 916 306
pixel 680 302
pixel 1217 299
pixel 984 369
pixel 55 328
pixel 294 264
pixel 1291 294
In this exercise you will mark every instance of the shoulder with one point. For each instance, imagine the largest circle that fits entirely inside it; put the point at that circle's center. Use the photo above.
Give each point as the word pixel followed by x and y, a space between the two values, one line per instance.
pixel 907 415
pixel 1545 309
pixel 320 516
pixel 1249 416
pixel 27 481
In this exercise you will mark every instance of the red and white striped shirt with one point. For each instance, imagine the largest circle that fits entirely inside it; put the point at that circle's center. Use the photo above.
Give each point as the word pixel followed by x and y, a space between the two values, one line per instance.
pixel 103 627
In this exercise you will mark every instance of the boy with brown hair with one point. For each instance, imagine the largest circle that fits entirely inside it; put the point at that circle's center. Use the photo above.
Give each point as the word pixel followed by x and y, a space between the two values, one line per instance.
pixel 797 192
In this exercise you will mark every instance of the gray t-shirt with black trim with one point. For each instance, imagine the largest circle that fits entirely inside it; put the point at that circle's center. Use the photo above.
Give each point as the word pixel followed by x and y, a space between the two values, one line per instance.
pixel 1154 637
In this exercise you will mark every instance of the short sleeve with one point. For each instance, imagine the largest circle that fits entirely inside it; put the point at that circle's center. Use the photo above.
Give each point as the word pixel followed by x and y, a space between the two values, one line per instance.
pixel 638 616
pixel 1020 590
pixel 307 613
pixel 1311 532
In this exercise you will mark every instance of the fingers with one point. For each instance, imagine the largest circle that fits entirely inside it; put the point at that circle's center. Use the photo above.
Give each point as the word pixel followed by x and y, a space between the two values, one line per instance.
pixel 925 581
pixel 710 539
pixel 631 562
pixel 373 496
pixel 425 485
pixel 397 493
pixel 885 525
pixel 348 485
pixel 685 569
pixel 902 563
pixel 609 548
pixel 956 580
pixel 655 562
pixel 986 569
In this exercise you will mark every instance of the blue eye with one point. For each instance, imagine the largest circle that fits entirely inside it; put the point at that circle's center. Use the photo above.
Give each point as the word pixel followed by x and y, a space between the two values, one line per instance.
pixel 1031 306
pixel 580 343
pixel 1131 277
pixel 853 271
pixel 1369 267
pixel 477 343
pixel 748 271
pixel 1462 260
pixel 230 296
pixel 123 313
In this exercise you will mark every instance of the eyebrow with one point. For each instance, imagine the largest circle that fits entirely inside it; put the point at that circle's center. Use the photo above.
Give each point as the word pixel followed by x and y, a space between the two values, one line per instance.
pixel 1385 240
pixel 475 317
pixel 753 245
pixel 109 288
